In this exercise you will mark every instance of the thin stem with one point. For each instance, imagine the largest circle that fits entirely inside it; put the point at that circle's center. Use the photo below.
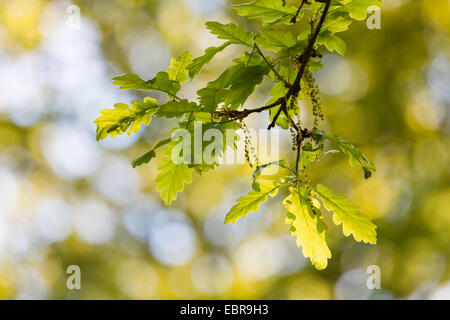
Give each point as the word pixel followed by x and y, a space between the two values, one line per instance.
pixel 175 97
pixel 269 64
pixel 294 19
pixel 251 55
pixel 297 161
pixel 295 88
pixel 239 115
pixel 189 120
pixel 309 50
pixel 274 121
pixel 306 55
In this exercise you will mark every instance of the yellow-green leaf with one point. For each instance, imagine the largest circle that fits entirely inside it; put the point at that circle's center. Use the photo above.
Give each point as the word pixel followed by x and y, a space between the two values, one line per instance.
pixel 275 40
pixel 176 109
pixel 197 64
pixel 148 156
pixel 177 70
pixel 251 202
pixel 161 83
pixel 355 156
pixel 308 226
pixel 232 33
pixel 124 118
pixel 337 22
pixel 332 42
pixel 357 9
pixel 172 177
pixel 267 10
pixel 349 214
pixel 211 97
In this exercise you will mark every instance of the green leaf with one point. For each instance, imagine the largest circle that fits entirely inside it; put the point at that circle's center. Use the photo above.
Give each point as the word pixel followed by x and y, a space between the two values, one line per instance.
pixel 204 154
pixel 145 158
pixel 124 118
pixel 357 9
pixel 249 59
pixel 211 97
pixel 161 82
pixel 198 63
pixel 355 156
pixel 298 48
pixel 310 155
pixel 308 226
pixel 295 50
pixel 204 117
pixel 130 81
pixel 260 169
pixel 172 177
pixel 232 33
pixel 314 65
pixel 177 70
pixel 332 42
pixel 349 214
pixel 244 85
pixel 251 202
pixel 278 91
pixel 267 10
pixel 148 156
pixel 336 22
pixel 275 40
pixel 176 109
pixel 241 79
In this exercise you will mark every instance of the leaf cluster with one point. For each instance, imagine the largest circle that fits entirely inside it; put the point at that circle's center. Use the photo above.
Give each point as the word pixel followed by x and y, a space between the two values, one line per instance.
pixel 288 58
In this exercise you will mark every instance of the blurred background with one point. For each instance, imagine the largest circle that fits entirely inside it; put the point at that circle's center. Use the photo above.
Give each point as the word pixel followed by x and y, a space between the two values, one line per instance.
pixel 67 200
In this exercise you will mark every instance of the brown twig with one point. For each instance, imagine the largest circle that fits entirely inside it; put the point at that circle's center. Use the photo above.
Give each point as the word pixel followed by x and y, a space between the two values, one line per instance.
pixel 294 89
pixel 239 115
pixel 272 124
pixel 294 19
pixel 270 65
pixel 305 56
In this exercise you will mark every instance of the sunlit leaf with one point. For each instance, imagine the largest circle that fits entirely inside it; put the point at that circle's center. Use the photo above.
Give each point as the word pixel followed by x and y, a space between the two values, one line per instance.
pixel 177 70
pixel 275 40
pixel 251 201
pixel 337 22
pixel 148 156
pixel 355 156
pixel 310 155
pixel 349 214
pixel 232 33
pixel 130 81
pixel 259 170
pixel 161 83
pixel 211 97
pixel 267 10
pixel 308 227
pixel 124 118
pixel 172 177
pixel 176 109
pixel 357 9
pixel 241 79
pixel 197 64
pixel 332 42
pixel 244 85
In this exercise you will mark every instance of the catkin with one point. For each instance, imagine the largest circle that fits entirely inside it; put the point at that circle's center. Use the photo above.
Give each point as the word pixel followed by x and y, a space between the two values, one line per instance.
pixel 250 152
pixel 314 94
